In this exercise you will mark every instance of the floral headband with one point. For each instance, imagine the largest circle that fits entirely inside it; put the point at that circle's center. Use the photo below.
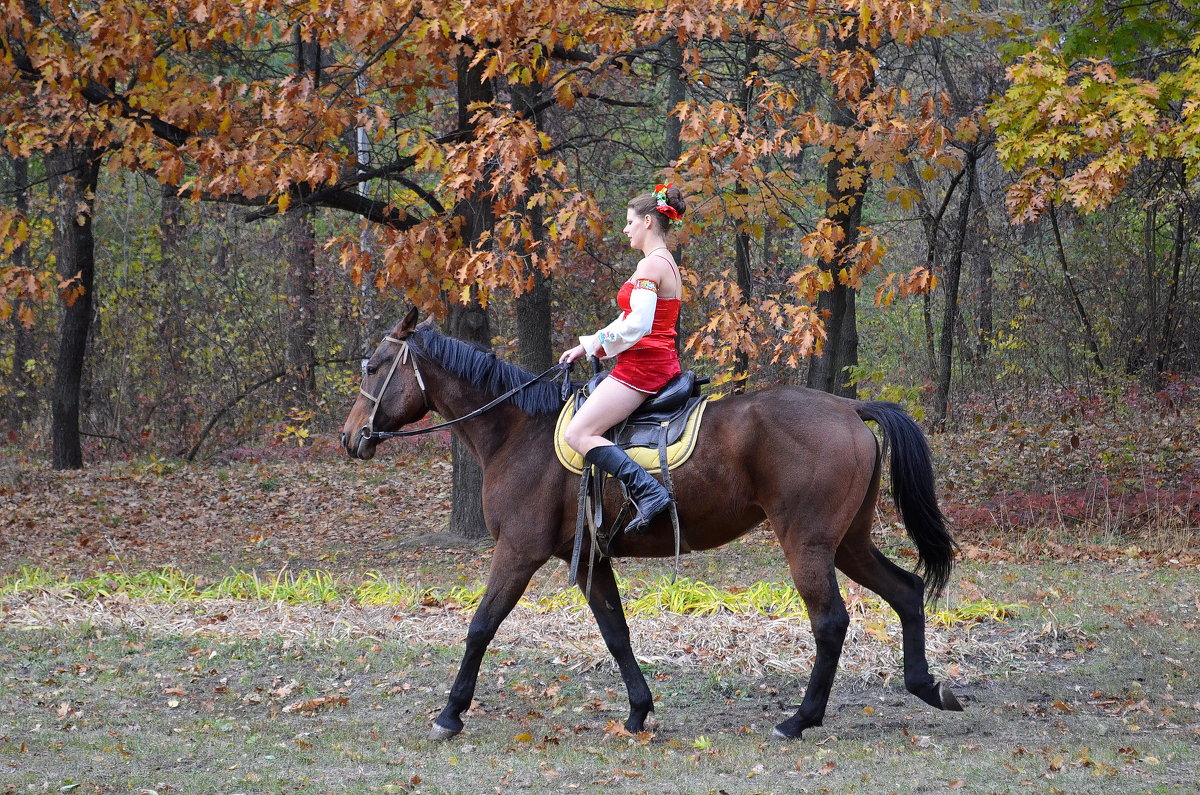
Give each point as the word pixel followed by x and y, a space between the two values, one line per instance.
pixel 660 198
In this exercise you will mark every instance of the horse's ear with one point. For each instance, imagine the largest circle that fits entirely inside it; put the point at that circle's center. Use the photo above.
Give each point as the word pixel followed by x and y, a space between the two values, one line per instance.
pixel 406 326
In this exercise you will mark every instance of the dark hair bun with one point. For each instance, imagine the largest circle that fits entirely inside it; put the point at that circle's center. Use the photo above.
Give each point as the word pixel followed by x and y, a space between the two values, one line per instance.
pixel 675 200
pixel 647 204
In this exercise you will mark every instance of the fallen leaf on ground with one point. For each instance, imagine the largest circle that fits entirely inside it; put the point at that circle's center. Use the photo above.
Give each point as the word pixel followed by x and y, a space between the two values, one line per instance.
pixel 313 704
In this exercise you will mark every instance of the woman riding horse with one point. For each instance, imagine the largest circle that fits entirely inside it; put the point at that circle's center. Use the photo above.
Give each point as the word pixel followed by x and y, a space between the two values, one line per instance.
pixel 643 341
pixel 805 461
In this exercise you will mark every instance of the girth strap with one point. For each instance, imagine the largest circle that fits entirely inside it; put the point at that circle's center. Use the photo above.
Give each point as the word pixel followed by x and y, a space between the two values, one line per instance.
pixel 580 523
pixel 666 476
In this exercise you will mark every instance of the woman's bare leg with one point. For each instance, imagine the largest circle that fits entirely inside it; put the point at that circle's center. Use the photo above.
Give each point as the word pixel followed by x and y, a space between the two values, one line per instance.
pixel 611 403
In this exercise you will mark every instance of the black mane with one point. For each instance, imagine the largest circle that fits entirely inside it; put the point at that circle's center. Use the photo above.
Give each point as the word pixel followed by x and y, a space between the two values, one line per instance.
pixel 482 369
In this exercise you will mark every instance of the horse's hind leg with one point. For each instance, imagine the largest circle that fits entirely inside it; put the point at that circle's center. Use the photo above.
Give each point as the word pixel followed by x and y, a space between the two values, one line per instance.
pixel 862 562
pixel 507 580
pixel 605 603
pixel 812 571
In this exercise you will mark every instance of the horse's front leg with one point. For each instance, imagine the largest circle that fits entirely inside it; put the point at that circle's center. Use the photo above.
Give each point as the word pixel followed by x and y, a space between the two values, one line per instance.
pixel 605 603
pixel 508 578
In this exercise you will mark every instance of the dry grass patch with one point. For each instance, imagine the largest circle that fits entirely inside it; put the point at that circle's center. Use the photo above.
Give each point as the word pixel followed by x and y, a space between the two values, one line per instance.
pixel 674 624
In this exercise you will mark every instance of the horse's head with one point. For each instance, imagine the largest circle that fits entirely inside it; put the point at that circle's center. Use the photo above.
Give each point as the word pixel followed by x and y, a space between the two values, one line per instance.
pixel 392 393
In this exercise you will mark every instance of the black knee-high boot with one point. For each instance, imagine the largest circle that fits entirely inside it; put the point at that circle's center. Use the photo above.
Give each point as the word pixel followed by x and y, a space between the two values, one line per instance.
pixel 648 495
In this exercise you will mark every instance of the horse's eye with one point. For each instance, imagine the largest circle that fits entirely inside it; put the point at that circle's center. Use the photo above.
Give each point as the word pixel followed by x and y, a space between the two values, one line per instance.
pixel 367 369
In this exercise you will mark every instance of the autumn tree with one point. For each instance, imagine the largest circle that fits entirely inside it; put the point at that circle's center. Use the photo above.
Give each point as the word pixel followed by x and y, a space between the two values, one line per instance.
pixel 473 189
pixel 950 202
pixel 811 82
pixel 18 313
pixel 1102 107
pixel 452 191
pixel 42 118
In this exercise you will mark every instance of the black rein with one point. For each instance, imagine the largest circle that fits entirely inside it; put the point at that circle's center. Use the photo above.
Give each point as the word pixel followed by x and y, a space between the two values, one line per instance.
pixel 563 367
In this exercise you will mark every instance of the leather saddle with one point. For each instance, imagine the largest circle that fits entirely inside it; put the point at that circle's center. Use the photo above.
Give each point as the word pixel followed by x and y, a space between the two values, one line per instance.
pixel 671 405
pixel 658 423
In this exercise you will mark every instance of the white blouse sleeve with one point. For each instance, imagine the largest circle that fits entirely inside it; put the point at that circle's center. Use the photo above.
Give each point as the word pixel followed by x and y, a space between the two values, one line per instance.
pixel 623 333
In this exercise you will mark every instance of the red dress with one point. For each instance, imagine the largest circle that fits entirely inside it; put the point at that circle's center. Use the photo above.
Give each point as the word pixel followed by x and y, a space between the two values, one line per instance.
pixel 653 360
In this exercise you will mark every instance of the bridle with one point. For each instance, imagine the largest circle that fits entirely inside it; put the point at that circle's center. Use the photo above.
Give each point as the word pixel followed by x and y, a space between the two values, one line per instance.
pixel 405 355
pixel 368 430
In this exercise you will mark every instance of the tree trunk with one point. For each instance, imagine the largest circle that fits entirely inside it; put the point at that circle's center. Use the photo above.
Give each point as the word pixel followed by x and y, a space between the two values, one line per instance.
pixel 1142 350
pixel 469 321
pixel 300 245
pixel 1166 336
pixel 73 171
pixel 535 347
pixel 932 223
pixel 927 322
pixel 21 385
pixel 983 260
pixel 741 240
pixel 171 313
pixel 676 93
pixel 672 132
pixel 952 275
pixel 828 371
pixel 745 282
pixel 301 360
pixel 1088 332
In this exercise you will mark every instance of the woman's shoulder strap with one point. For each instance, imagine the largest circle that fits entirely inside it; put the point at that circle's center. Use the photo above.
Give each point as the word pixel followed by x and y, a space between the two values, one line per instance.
pixel 674 268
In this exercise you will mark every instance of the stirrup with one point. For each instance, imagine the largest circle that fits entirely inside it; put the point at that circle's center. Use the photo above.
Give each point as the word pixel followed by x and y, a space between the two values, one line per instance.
pixel 639 523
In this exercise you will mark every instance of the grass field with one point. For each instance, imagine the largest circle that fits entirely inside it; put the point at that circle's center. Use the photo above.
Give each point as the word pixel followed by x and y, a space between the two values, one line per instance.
pixel 1089 686
pixel 274 626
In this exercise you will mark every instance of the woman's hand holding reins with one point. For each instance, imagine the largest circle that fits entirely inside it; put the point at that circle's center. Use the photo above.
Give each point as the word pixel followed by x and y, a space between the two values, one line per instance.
pixel 569 356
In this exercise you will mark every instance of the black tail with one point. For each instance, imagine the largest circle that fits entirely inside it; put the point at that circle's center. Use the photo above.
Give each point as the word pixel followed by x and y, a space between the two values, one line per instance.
pixel 912 488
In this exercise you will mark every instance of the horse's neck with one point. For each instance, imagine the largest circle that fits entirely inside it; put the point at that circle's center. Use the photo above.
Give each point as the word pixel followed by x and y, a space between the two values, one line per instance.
pixel 486 434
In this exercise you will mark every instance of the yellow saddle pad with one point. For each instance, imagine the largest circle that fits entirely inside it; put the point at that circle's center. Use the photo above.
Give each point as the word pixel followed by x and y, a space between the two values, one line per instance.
pixel 645 457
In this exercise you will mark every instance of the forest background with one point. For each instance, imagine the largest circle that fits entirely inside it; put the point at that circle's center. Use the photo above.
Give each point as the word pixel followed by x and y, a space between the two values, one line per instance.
pixel 211 210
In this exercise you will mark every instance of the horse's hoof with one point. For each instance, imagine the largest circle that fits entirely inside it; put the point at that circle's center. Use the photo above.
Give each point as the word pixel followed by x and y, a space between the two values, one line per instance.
pixel 776 734
pixel 647 724
pixel 949 701
pixel 440 733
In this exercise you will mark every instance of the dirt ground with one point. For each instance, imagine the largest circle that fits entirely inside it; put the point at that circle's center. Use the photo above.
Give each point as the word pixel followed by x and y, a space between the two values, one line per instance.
pixel 264 510
pixel 1098 695
pixel 1090 687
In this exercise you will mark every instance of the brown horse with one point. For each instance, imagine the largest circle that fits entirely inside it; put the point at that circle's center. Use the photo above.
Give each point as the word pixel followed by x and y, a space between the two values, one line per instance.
pixel 803 460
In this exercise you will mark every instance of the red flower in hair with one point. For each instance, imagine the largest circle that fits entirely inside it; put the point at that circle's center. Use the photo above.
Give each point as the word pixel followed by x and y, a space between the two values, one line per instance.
pixel 660 199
